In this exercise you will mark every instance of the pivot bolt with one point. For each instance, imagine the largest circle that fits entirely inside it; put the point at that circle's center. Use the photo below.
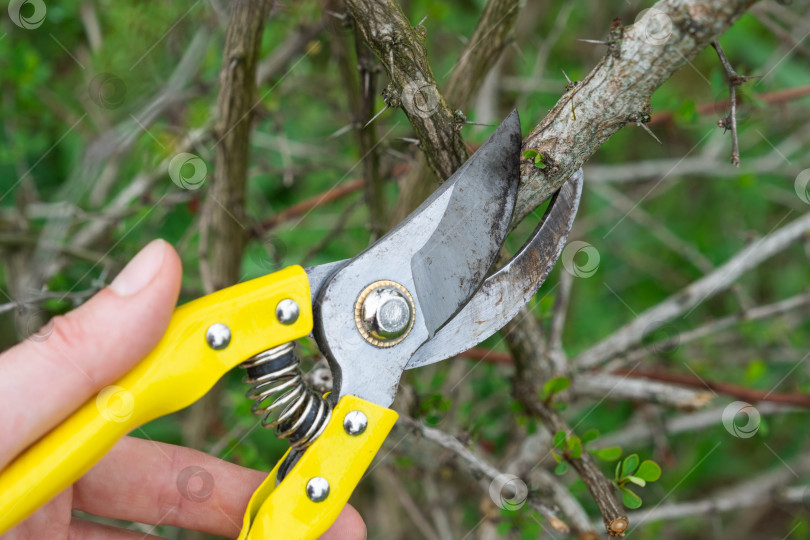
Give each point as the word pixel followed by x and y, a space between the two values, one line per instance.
pixel 384 313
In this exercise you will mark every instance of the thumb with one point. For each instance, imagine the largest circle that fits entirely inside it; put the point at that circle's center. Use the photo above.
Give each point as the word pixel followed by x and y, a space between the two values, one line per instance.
pixel 86 349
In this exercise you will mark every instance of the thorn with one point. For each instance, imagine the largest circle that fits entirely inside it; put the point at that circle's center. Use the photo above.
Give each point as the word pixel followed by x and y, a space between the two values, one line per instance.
pixel 398 154
pixel 375 116
pixel 366 83
pixel 340 132
pixel 595 41
pixel 422 21
pixel 335 14
pixel 477 124
pixel 409 140
pixel 519 51
pixel 648 130
pixel 565 75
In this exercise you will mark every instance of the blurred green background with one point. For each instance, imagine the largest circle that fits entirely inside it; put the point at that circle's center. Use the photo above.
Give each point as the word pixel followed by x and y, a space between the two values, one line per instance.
pixel 71 143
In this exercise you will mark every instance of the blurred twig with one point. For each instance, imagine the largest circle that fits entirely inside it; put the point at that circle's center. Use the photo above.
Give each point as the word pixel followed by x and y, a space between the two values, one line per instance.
pixel 770 487
pixel 479 465
pixel 685 300
pixel 224 220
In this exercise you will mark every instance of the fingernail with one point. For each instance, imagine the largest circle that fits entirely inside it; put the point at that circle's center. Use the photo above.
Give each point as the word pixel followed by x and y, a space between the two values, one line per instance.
pixel 140 271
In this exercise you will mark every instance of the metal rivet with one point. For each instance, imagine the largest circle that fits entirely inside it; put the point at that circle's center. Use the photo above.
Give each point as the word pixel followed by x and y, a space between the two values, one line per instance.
pixel 317 489
pixel 355 422
pixel 287 311
pixel 218 336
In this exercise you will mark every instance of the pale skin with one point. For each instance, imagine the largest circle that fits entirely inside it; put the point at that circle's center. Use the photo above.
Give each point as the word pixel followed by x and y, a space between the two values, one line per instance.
pixel 79 354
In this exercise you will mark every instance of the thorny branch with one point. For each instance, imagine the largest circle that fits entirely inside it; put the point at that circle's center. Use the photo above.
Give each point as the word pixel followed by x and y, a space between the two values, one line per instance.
pixel 614 94
pixel 401 49
pixel 225 213
pixel 729 123
pixel 617 91
pixel 527 393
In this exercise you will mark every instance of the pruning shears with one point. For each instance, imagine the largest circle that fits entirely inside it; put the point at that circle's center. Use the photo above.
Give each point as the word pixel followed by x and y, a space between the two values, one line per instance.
pixel 424 292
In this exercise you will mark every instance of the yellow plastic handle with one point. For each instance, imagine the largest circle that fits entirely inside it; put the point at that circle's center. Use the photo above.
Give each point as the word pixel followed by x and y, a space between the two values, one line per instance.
pixel 178 371
pixel 341 459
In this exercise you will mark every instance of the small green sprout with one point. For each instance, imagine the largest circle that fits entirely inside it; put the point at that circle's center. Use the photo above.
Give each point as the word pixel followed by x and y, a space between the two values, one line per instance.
pixel 539 160
pixel 630 471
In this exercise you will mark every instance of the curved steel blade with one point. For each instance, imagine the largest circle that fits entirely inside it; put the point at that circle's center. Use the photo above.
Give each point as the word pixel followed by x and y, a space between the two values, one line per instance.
pixel 412 254
pixel 453 263
pixel 509 289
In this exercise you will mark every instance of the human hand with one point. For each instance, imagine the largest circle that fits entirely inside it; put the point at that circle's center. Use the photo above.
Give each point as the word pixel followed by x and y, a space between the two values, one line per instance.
pixel 41 382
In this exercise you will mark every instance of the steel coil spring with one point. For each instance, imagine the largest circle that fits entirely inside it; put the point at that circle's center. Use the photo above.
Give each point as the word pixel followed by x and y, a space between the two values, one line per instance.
pixel 282 396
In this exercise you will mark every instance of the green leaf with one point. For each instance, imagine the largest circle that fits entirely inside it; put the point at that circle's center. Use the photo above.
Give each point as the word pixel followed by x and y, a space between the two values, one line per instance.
pixel 590 435
pixel 561 468
pixel 538 162
pixel 531 154
pixel 559 439
pixel 649 471
pixel 630 499
pixel 610 453
pixel 557 457
pixel 555 386
pixel 629 465
pixel 637 481
pixel 617 475
pixel 574 447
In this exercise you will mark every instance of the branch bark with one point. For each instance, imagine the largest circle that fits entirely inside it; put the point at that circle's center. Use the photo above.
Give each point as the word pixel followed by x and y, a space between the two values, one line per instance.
pixel 401 49
pixel 491 36
pixel 617 91
pixel 237 98
pixel 600 488
pixel 224 220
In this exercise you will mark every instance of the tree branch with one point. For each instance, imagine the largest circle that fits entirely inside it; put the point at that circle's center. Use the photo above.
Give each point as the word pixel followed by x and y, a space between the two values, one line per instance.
pixel 721 279
pixel 401 49
pixel 492 35
pixel 756 492
pixel 478 465
pixel 237 98
pixel 617 91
